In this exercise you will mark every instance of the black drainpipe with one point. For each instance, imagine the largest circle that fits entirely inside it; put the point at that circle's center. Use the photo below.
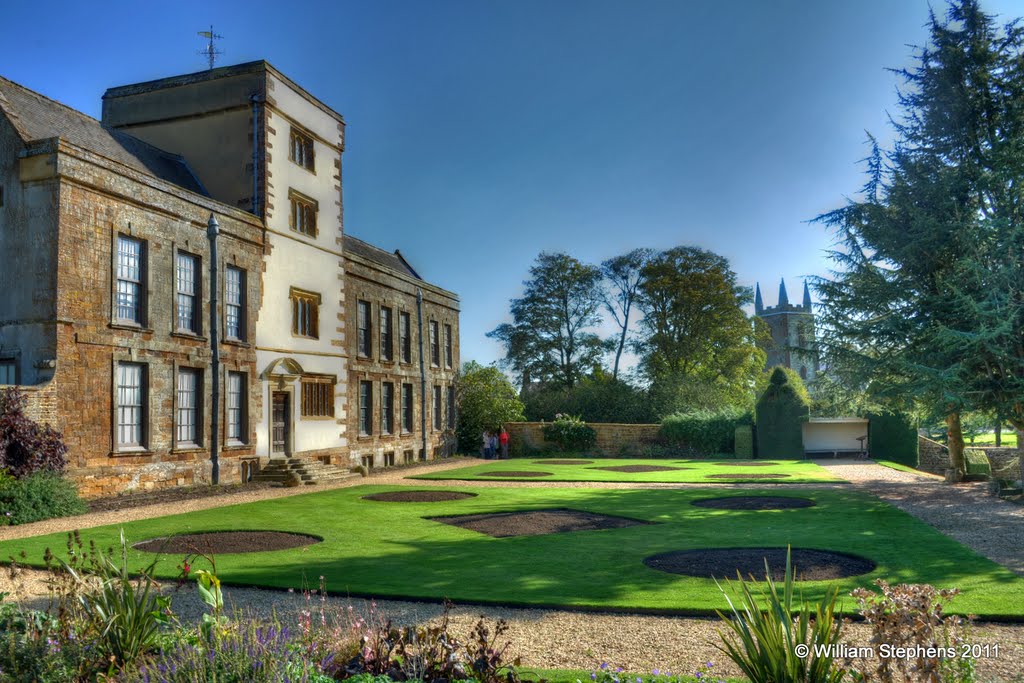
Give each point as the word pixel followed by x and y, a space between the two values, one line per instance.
pixel 212 230
pixel 423 373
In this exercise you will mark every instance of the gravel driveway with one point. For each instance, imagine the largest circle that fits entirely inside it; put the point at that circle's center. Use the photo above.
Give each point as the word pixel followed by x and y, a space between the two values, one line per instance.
pixel 572 639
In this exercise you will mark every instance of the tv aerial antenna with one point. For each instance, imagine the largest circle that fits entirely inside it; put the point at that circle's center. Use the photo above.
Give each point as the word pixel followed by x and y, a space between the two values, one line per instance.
pixel 210 52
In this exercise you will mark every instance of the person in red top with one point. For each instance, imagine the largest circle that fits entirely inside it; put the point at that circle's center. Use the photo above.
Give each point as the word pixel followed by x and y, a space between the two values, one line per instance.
pixel 503 440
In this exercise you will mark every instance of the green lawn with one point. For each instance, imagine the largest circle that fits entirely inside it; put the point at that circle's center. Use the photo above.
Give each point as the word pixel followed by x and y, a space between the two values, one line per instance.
pixel 899 466
pixel 391 550
pixel 689 472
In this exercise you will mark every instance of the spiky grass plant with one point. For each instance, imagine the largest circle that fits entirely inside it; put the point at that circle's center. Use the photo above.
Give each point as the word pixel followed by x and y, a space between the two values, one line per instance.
pixel 781 642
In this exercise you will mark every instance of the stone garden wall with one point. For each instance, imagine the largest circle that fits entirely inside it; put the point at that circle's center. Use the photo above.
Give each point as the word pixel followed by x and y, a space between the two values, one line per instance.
pixel 612 439
pixel 934 457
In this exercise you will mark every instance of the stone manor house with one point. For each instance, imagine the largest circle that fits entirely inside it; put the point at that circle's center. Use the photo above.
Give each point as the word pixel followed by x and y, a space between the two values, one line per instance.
pixel 329 348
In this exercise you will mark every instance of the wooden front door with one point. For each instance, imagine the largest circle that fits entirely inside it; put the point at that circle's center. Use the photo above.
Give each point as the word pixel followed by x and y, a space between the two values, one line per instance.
pixel 280 423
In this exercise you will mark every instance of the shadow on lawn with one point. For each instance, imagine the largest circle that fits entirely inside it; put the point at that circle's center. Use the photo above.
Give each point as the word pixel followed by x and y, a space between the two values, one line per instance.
pixel 604 568
pixel 412 557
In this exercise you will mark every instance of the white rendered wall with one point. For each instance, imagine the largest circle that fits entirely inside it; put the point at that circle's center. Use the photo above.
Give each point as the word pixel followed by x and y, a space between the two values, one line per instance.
pixel 310 264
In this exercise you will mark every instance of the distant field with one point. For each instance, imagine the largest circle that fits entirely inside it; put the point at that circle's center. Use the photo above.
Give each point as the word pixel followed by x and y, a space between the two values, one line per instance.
pixel 679 472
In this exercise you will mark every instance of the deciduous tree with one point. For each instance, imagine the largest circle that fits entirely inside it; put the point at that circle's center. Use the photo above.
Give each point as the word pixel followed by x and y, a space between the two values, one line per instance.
pixel 695 339
pixel 550 338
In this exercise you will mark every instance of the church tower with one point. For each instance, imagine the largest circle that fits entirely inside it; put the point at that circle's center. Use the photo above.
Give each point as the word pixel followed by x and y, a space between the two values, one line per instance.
pixel 792 328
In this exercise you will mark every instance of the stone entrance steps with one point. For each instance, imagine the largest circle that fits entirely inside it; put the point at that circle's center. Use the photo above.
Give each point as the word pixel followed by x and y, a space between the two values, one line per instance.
pixel 298 471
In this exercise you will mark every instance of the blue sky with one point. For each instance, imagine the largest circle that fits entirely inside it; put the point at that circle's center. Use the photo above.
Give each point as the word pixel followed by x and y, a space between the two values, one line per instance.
pixel 481 132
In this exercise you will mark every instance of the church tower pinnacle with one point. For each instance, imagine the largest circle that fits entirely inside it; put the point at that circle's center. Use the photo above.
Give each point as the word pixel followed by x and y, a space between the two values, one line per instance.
pixel 758 302
pixel 783 297
pixel 807 297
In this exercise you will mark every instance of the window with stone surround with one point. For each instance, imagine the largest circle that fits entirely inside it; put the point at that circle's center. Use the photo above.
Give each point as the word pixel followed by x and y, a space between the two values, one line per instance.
pixel 365 408
pixel 305 313
pixel 188 412
pixel 437 408
pixel 302 216
pixel 130 406
pixel 387 408
pixel 8 370
pixel 130 268
pixel 387 350
pixel 405 337
pixel 318 395
pixel 435 347
pixel 234 303
pixel 237 409
pixel 187 273
pixel 301 149
pixel 406 408
pixel 448 346
pixel 364 333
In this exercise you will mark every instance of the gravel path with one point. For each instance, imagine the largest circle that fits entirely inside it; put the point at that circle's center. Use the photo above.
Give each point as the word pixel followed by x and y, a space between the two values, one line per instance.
pixel 966 512
pixel 567 639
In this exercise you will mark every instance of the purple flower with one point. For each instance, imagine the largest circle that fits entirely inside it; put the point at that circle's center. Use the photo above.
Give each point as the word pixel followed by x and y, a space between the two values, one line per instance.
pixel 604 666
pixel 656 672
pixel 593 676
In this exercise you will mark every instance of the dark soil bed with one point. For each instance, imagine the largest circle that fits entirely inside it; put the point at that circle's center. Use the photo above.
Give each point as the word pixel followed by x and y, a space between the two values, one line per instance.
pixel 418 496
pixel 640 468
pixel 134 500
pixel 755 475
pixel 723 563
pixel 745 464
pixel 514 474
pixel 225 542
pixel 562 462
pixel 754 503
pixel 537 522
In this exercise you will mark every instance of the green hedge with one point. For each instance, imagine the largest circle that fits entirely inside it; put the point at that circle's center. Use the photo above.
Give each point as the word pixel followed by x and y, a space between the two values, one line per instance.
pixel 781 412
pixel 38 496
pixel 744 441
pixel 705 432
pixel 978 466
pixel 892 436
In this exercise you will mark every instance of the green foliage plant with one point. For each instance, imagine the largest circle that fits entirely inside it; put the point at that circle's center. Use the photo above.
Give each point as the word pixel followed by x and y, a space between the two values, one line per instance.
pixel 892 436
pixel 570 433
pixel 37 496
pixel 744 440
pixel 125 613
pixel 704 432
pixel 765 640
pixel 781 412
pixel 487 400
pixel 911 616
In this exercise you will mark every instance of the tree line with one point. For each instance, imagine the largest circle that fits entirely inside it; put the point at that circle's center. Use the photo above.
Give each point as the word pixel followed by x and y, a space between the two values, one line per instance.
pixel 679 310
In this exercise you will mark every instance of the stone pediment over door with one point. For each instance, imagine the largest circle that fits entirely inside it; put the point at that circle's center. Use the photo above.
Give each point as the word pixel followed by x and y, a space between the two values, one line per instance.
pixel 282 371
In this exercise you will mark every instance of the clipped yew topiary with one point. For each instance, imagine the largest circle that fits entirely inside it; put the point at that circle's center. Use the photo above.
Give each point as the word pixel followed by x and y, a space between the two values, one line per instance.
pixel 892 436
pixel 781 412
pixel 744 442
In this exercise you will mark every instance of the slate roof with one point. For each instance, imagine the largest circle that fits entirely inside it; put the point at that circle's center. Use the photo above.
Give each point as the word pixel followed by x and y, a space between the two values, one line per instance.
pixel 392 260
pixel 36 117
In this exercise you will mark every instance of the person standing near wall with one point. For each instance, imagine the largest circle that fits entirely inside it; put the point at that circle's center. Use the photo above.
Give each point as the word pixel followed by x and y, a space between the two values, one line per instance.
pixel 503 440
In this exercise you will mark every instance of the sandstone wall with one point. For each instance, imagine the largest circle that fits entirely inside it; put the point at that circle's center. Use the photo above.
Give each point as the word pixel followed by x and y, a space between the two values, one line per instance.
pixel 613 440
